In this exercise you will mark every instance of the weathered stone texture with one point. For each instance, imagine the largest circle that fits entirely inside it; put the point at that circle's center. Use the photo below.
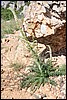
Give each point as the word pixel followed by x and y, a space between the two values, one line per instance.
pixel 47 22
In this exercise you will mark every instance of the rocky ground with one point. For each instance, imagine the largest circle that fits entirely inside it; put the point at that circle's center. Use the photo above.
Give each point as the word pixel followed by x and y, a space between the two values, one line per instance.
pixel 13 50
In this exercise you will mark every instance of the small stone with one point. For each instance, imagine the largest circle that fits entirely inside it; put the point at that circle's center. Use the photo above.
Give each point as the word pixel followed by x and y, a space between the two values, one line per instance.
pixel 38 7
pixel 3 40
pixel 45 98
pixel 2 71
pixel 11 84
pixel 49 2
pixel 18 78
pixel 27 69
pixel 62 97
pixel 39 96
pixel 2 89
pixel 43 29
pixel 45 3
pixel 29 90
pixel 29 31
pixel 43 9
pixel 40 17
pixel 54 7
pixel 3 80
pixel 44 21
pixel 15 73
pixel 27 34
pixel 40 2
pixel 9 88
pixel 31 26
pixel 11 98
pixel 63 92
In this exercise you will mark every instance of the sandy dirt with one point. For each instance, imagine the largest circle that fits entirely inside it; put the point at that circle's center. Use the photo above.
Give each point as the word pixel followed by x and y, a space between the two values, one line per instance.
pixel 13 50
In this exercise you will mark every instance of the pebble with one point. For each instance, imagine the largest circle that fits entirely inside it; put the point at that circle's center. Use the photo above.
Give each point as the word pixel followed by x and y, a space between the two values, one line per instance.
pixel 49 2
pixel 45 98
pixel 2 89
pixel 40 17
pixel 55 8
pixel 2 71
pixel 39 2
pixel 15 73
pixel 12 84
pixel 45 3
pixel 43 29
pixel 43 9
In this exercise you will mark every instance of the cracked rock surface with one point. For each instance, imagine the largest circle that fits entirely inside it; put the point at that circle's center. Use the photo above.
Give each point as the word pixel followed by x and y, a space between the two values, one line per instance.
pixel 46 20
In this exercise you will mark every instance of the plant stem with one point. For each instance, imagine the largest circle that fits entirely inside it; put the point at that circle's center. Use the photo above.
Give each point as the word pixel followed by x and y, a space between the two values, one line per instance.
pixel 33 52
pixel 15 17
pixel 50 52
pixel 31 49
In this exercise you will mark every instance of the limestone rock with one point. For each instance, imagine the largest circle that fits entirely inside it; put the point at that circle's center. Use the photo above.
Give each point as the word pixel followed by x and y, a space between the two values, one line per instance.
pixel 37 12
pixel 43 19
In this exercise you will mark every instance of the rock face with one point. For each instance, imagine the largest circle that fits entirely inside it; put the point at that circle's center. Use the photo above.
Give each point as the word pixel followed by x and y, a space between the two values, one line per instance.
pixel 12 4
pixel 57 41
pixel 46 20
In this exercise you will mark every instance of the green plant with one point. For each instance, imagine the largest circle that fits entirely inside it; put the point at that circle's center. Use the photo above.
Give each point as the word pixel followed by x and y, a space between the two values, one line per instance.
pixel 15 17
pixel 8 27
pixel 40 72
pixel 6 14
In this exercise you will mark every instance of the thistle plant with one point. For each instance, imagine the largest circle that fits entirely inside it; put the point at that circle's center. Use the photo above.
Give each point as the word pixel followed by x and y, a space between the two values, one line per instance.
pixel 39 72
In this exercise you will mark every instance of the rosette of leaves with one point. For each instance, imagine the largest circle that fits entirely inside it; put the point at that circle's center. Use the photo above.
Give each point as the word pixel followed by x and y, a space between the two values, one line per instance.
pixel 40 72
